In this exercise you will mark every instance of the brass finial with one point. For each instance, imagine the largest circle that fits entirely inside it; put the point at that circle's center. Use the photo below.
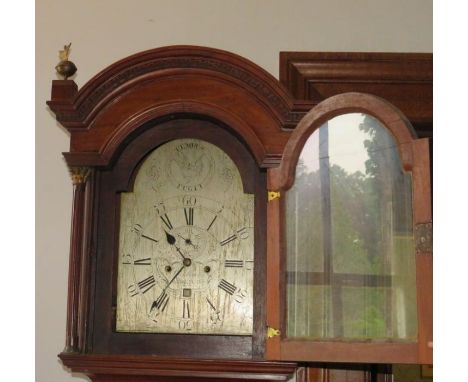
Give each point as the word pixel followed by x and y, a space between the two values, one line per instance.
pixel 65 68
pixel 63 54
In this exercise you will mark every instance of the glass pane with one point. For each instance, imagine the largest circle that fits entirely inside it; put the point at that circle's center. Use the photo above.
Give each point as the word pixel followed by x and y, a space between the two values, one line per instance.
pixel 349 239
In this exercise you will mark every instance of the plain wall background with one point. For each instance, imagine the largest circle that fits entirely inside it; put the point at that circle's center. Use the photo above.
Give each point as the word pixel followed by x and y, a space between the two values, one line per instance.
pixel 105 31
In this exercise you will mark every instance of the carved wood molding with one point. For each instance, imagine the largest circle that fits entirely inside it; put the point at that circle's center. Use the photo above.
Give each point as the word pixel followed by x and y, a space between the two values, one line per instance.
pixel 121 365
pixel 96 91
pixel 174 78
pixel 404 79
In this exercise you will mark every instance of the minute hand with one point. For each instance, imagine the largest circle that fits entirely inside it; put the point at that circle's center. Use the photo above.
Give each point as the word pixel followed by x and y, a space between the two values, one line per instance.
pixel 170 282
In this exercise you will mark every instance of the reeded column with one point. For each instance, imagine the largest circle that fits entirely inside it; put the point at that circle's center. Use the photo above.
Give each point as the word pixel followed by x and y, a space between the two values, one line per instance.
pixel 79 177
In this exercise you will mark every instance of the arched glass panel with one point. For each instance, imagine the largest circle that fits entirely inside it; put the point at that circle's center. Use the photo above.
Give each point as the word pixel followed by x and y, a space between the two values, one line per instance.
pixel 349 236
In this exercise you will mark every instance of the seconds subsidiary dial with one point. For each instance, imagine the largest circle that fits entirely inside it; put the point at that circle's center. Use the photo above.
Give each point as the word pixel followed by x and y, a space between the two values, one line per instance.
pixel 186 244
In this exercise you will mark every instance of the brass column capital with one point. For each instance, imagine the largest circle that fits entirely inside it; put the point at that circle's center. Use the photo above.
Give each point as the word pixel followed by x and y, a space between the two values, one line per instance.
pixel 79 175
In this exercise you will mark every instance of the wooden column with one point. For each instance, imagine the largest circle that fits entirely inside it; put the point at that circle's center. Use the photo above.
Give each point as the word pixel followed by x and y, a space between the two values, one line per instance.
pixel 79 177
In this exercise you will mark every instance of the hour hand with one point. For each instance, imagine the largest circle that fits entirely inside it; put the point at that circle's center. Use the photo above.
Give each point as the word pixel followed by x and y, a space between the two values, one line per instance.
pixel 171 240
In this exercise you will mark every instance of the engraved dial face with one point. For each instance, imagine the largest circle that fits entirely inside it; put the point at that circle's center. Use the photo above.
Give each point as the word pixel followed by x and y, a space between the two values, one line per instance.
pixel 186 245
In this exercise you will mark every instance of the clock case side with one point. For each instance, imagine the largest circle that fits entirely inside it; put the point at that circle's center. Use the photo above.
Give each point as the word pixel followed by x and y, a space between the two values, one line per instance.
pixel 414 155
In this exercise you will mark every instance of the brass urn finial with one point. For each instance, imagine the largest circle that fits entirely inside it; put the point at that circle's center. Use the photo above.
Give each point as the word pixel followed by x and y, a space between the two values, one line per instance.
pixel 65 68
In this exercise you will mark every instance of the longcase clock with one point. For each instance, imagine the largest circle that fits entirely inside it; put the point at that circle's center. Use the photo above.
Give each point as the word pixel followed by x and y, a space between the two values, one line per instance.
pixel 169 154
pixel 215 232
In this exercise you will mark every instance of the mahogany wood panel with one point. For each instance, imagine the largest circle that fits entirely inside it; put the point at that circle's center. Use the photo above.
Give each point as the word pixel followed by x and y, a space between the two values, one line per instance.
pixel 343 372
pixel 404 79
pixel 358 352
pixel 149 368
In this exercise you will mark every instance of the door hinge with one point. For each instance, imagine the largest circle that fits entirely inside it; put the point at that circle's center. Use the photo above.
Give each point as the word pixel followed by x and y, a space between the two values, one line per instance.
pixel 423 238
pixel 272 332
pixel 272 195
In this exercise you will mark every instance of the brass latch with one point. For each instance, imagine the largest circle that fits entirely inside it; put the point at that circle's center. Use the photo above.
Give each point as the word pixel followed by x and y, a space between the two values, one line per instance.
pixel 423 238
pixel 272 195
pixel 272 332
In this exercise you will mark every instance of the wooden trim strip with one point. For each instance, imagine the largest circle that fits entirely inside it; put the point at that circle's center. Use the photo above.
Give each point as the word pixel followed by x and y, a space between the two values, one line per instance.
pixel 273 277
pixel 365 352
pixel 93 364
pixel 339 279
pixel 422 213
pixel 74 267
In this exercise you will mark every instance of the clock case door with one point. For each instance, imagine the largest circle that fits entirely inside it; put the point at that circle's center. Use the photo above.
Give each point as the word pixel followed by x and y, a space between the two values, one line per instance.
pixel 103 338
pixel 414 156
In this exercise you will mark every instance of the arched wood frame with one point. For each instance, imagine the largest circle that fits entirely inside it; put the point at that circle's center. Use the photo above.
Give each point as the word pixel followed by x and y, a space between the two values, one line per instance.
pixel 414 155
pixel 176 110
pixel 171 80
pixel 101 337
pixel 282 177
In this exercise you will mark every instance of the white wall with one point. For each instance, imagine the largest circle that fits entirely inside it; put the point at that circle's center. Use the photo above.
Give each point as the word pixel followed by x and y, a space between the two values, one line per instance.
pixel 105 31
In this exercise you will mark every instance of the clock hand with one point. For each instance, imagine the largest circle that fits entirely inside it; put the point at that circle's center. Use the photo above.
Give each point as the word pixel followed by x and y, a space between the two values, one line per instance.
pixel 171 240
pixel 181 254
pixel 187 263
pixel 187 241
pixel 163 297
pixel 177 274
pixel 183 238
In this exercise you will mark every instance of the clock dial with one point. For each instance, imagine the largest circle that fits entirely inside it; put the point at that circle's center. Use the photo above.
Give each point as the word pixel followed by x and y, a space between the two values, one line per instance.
pixel 186 245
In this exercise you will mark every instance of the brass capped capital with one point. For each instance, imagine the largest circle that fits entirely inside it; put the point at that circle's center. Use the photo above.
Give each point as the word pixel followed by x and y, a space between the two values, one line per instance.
pixel 79 175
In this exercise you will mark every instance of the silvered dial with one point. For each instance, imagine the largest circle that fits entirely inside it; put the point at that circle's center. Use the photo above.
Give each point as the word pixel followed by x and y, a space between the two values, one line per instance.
pixel 186 244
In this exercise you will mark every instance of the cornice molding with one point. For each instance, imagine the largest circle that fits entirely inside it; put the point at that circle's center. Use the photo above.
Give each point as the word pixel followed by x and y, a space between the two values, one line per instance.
pixel 173 79
pixel 75 109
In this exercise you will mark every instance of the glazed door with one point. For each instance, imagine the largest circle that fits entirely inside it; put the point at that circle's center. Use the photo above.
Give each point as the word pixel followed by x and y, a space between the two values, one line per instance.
pixel 349 238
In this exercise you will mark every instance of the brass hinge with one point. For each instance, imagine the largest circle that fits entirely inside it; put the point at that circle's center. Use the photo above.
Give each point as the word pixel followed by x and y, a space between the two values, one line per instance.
pixel 272 332
pixel 423 238
pixel 272 195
